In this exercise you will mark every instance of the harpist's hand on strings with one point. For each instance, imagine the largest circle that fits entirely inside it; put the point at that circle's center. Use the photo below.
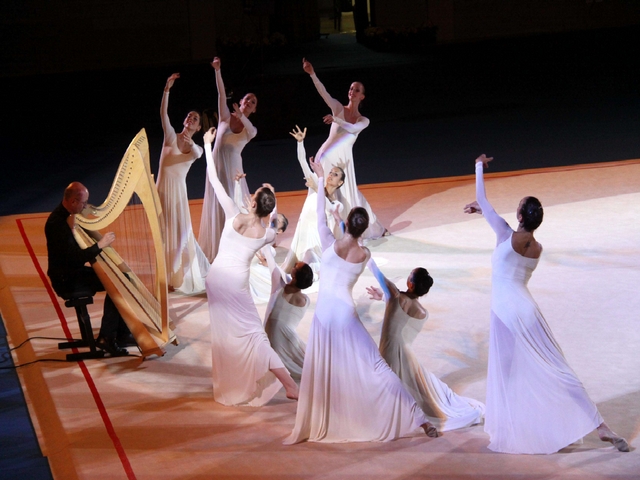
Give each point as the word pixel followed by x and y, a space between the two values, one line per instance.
pixel 216 63
pixel 472 207
pixel 170 81
pixel 375 293
pixel 328 119
pixel 298 134
pixel 106 240
pixel 484 159
pixel 210 135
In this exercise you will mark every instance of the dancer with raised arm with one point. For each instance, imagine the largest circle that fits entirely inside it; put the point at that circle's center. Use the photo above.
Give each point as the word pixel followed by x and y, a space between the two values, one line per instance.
pixel 346 124
pixel 234 132
pixel 404 318
pixel 245 369
pixel 348 393
pixel 305 244
pixel 535 401
pixel 187 265
pixel 286 308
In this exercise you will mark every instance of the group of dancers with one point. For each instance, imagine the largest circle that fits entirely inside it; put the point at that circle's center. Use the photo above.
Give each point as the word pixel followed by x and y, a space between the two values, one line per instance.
pixel 347 387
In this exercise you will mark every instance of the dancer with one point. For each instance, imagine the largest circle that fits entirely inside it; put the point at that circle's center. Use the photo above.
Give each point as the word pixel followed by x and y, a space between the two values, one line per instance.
pixel 244 366
pixel 348 392
pixel 187 265
pixel 286 308
pixel 259 273
pixel 346 123
pixel 535 402
pixel 234 132
pixel 305 244
pixel 404 318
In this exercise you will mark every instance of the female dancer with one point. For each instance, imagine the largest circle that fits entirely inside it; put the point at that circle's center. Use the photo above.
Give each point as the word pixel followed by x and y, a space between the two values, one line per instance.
pixel 348 392
pixel 404 318
pixel 245 367
pixel 535 401
pixel 346 123
pixel 305 244
pixel 187 265
pixel 286 308
pixel 234 132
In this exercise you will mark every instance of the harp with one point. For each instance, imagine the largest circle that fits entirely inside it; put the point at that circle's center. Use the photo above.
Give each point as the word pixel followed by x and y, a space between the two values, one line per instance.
pixel 138 287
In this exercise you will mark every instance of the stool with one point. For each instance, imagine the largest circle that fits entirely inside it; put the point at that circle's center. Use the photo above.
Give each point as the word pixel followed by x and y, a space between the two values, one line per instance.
pixel 79 300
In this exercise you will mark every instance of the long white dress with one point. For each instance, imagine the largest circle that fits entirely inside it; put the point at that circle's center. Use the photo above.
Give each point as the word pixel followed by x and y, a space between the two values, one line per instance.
pixel 535 401
pixel 444 408
pixel 227 152
pixel 348 393
pixel 305 244
pixel 242 356
pixel 337 150
pixel 186 263
pixel 281 320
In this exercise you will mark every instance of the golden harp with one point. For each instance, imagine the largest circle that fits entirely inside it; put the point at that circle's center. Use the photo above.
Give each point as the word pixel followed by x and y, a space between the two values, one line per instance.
pixel 137 287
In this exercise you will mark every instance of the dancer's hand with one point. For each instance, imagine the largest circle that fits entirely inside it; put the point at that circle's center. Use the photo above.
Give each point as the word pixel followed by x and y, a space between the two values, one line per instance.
pixel 216 63
pixel 328 119
pixel 170 81
pixel 210 135
pixel 262 260
pixel 310 183
pixel 484 159
pixel 316 167
pixel 236 111
pixel 472 207
pixel 298 134
pixel 269 186
pixel 307 67
pixel 239 176
pixel 375 293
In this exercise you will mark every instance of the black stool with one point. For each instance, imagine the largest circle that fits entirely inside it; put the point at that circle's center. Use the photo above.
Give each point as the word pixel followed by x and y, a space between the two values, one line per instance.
pixel 79 300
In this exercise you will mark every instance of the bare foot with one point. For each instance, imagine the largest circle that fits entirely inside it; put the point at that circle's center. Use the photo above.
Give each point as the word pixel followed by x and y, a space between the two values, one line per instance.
pixel 608 435
pixel 430 430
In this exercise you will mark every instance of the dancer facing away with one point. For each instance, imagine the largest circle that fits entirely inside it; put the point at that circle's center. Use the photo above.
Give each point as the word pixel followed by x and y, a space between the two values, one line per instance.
pixel 404 318
pixel 286 308
pixel 535 401
pixel 348 392
pixel 305 244
pixel 245 368
pixel 234 132
pixel 187 265
pixel 346 123
pixel 259 273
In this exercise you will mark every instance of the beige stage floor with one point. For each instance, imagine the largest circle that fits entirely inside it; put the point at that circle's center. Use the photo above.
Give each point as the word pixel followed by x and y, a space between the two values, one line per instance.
pixel 125 418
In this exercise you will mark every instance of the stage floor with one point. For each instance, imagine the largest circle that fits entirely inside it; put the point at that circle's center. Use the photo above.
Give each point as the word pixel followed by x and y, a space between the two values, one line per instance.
pixel 128 418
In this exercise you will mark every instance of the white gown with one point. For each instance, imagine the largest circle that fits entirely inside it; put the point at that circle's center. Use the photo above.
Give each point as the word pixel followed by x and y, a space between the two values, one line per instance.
pixel 444 408
pixel 348 393
pixel 305 244
pixel 227 152
pixel 242 356
pixel 281 320
pixel 186 263
pixel 535 401
pixel 337 150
